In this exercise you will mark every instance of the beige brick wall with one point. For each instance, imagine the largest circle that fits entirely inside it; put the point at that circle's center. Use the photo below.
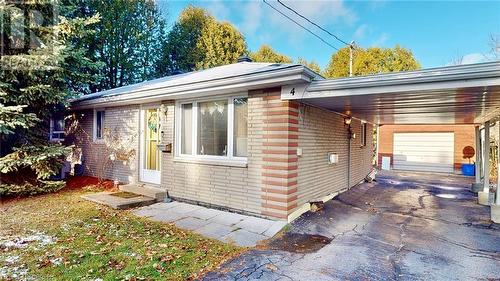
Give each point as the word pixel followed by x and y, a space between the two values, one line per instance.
pixel 236 188
pixel 122 121
pixel 464 136
pixel 320 132
pixel 276 181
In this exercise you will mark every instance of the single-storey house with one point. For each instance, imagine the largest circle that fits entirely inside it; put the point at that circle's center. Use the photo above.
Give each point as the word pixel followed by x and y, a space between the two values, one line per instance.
pixel 267 139
pixel 224 137
pixel 429 148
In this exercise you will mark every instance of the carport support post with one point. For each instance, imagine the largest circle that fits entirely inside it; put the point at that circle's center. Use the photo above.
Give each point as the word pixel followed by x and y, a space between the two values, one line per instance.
pixel 477 185
pixel 478 155
pixel 483 196
pixel 495 208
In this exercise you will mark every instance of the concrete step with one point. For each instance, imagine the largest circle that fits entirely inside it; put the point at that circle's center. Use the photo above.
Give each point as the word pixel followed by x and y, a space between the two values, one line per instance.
pixel 149 191
pixel 116 202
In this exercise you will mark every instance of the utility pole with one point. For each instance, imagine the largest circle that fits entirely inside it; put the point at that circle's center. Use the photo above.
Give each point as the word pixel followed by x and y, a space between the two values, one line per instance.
pixel 351 48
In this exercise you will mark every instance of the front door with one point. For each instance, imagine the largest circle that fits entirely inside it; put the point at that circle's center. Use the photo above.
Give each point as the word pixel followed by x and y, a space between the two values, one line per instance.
pixel 150 136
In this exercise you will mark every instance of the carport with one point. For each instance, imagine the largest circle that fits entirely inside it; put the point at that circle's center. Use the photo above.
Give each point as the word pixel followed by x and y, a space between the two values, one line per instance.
pixel 465 94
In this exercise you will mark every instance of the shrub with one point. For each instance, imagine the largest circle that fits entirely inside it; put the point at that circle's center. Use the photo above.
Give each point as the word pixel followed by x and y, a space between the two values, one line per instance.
pixel 29 189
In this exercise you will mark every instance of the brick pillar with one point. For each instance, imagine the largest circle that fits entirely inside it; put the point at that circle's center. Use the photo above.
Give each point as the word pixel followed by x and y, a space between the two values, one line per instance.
pixel 279 156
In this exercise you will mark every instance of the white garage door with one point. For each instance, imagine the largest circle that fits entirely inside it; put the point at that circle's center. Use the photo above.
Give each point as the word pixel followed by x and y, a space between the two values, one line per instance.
pixel 431 152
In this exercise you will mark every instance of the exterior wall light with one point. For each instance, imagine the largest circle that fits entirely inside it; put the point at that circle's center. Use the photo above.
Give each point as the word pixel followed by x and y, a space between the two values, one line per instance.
pixel 347 121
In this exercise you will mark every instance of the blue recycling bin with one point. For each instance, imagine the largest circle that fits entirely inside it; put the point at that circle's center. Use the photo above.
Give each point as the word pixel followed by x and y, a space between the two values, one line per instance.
pixel 469 170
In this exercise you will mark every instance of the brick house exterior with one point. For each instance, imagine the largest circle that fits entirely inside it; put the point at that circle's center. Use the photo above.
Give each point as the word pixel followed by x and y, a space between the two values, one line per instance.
pixel 464 135
pixel 276 181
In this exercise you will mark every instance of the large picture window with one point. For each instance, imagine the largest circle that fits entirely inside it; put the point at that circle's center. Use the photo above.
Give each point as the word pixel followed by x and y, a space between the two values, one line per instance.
pixel 213 129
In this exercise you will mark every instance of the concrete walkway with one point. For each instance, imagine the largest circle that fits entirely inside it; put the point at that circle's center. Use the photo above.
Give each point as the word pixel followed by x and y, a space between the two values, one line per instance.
pixel 246 231
pixel 405 226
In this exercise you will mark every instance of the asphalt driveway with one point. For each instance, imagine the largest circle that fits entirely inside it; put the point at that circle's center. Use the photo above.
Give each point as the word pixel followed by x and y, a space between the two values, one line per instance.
pixel 405 226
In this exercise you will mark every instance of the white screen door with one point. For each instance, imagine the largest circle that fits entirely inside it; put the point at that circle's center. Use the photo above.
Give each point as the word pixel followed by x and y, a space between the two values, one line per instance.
pixel 150 136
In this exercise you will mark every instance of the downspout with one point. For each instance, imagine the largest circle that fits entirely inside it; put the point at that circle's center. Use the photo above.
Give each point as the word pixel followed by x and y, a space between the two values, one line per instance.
pixel 349 158
pixel 486 158
pixel 497 197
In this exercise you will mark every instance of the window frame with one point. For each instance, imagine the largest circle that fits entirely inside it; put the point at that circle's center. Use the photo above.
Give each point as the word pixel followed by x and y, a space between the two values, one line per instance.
pixel 230 157
pixel 94 125
pixel 363 134
pixel 51 129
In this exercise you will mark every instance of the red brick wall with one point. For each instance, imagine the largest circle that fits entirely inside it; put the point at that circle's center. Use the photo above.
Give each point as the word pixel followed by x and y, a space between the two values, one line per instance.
pixel 279 155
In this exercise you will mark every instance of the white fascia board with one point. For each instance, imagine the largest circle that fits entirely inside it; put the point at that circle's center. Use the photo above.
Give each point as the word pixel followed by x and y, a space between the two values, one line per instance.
pixel 474 75
pixel 397 88
pixel 225 86
pixel 255 81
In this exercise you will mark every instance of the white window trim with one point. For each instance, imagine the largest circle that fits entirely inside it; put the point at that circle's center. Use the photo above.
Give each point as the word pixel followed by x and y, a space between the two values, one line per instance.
pixel 230 159
pixel 94 126
pixel 51 131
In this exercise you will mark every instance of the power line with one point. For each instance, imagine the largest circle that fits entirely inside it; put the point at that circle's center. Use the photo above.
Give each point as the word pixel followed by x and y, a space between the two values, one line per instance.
pixel 313 23
pixel 305 28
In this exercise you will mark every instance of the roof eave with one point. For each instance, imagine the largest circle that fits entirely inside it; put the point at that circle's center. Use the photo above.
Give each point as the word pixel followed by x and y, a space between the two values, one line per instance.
pixel 403 80
pixel 232 84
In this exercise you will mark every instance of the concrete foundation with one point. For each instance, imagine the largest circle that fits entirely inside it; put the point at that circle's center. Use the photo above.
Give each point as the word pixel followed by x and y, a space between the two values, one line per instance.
pixel 495 213
pixel 483 198
pixel 476 187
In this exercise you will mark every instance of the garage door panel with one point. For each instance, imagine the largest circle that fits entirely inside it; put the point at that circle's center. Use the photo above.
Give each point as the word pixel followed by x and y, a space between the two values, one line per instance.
pixel 423 159
pixel 424 151
pixel 425 168
pixel 410 149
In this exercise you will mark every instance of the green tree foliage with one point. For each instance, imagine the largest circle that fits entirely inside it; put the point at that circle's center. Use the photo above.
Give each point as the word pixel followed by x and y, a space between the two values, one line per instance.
pixel 220 43
pixel 198 41
pixel 180 51
pixel 36 81
pixel 371 61
pixel 313 65
pixel 267 54
pixel 126 40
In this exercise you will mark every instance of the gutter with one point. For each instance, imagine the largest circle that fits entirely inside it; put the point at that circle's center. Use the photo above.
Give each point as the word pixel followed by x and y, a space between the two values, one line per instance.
pixel 443 74
pixel 256 80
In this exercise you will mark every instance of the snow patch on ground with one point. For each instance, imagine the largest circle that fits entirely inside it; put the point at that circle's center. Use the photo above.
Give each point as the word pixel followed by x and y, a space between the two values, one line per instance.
pixel 22 242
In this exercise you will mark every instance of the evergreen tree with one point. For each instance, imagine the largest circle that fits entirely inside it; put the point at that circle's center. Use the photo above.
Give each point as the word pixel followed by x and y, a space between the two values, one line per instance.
pixel 36 81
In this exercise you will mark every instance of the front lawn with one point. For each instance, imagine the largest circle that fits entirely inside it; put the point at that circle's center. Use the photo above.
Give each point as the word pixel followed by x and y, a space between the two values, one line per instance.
pixel 63 237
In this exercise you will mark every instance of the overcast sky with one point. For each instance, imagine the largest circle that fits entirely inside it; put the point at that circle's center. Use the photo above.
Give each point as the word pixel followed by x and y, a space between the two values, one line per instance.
pixel 436 31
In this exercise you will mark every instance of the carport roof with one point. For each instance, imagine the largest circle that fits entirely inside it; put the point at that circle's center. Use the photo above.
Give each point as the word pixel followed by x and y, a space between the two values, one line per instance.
pixel 447 95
